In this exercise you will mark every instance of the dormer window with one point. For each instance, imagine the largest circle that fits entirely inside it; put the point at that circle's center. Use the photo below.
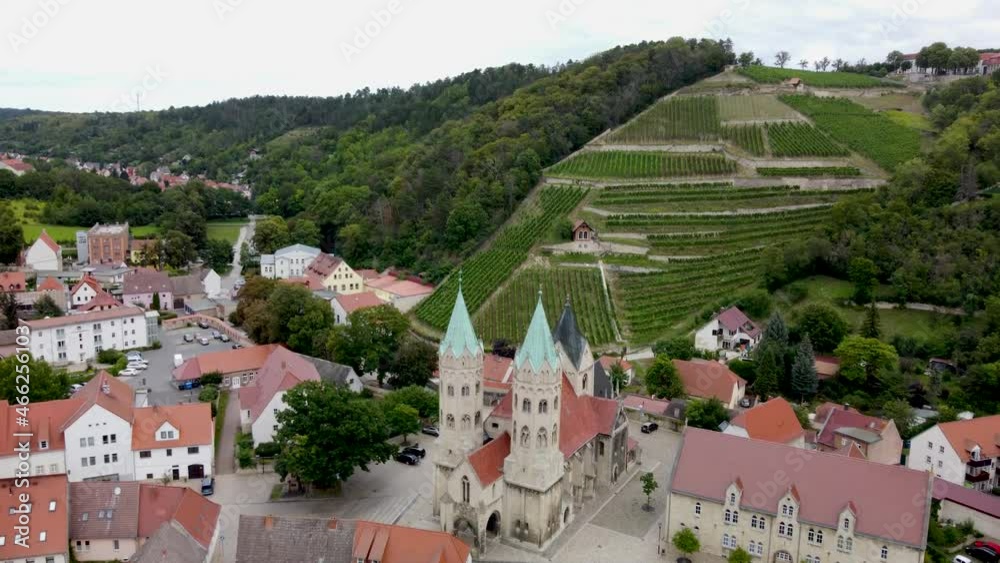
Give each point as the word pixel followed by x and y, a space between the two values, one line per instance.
pixel 847 524
pixel 732 498
pixel 43 445
pixel 52 506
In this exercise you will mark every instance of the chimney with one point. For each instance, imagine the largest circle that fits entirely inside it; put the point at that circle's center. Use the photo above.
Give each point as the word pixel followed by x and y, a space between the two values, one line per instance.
pixel 847 406
pixel 269 523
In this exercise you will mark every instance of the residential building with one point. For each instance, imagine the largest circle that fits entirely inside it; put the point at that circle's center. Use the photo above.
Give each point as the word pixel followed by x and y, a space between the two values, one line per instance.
pixel 280 539
pixel 336 374
pixel 78 338
pixel 840 426
pixel 175 441
pixel 729 331
pixel 288 262
pixel 343 305
pixel 104 520
pixel 964 452
pixel 103 302
pixel 48 533
pixel 47 444
pixel 705 379
pixel 403 294
pixel 237 367
pixel 14 282
pixel 646 407
pixel 567 446
pixel 786 504
pixel 98 435
pixel 263 398
pixel 145 288
pixel 84 291
pixel 15 165
pixel 176 525
pixel 52 287
pixel 961 504
pixel 627 368
pixel 333 273
pixel 773 421
pixel 827 366
pixel 108 244
pixel 44 254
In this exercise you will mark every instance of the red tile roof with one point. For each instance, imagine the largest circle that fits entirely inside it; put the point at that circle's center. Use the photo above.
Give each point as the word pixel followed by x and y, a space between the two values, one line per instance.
pixel 107 392
pixel 581 418
pixel 83 318
pixel 45 238
pixel 193 422
pixel 44 490
pixel 387 543
pixel 121 499
pixel 323 265
pixel 827 366
pixel 398 287
pixel 838 419
pixel 852 449
pixel 18 165
pixel 774 421
pixel 103 300
pixel 966 434
pixel 45 422
pixel 13 281
pixel 368 274
pixel 225 362
pixel 976 500
pixel 734 319
pixel 51 284
pixel 89 281
pixel 159 505
pixel 495 369
pixel 645 404
pixel 706 379
pixel 282 370
pixel 363 300
pixel 146 280
pixel 487 461
pixel 608 361
pixel 826 484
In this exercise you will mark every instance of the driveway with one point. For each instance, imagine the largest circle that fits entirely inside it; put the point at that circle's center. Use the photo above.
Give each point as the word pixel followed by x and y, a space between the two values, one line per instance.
pixel 225 449
pixel 246 235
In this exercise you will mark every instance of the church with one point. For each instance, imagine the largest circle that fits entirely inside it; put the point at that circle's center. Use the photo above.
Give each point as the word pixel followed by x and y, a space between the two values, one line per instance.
pixel 556 444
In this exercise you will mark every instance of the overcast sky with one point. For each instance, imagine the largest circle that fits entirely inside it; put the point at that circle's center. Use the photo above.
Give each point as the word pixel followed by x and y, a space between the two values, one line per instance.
pixel 75 55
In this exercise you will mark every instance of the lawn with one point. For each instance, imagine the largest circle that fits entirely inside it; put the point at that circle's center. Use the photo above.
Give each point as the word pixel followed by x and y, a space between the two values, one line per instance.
pixel 773 75
pixel 228 231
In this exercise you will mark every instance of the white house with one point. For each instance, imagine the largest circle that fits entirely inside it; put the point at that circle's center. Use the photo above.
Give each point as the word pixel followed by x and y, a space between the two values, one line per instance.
pixel 344 305
pixel 730 330
pixel 176 441
pixel 288 262
pixel 963 452
pixel 78 338
pixel 84 291
pixel 98 436
pixel 44 254
pixel 212 284
pixel 261 400
pixel 404 294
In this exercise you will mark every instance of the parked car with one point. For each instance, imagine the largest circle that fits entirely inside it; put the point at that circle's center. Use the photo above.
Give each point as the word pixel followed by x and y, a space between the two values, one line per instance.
pixel 216 334
pixel 75 387
pixel 208 486
pixel 224 338
pixel 408 459
pixel 139 366
pixel 128 372
pixel 984 554
pixel 134 357
pixel 648 427
pixel 237 346
pixel 189 384
pixel 416 450
pixel 988 544
pixel 188 338
pixel 961 559
pixel 430 430
pixel 202 324
pixel 203 340
pixel 745 402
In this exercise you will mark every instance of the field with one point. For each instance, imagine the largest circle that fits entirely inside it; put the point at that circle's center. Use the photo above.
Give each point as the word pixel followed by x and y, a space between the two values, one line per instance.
pixel 690 117
pixel 748 137
pixel 872 134
pixel 228 231
pixel 489 269
pixel 754 108
pixel 800 139
pixel 772 75
pixel 642 164
pixel 810 171
pixel 507 315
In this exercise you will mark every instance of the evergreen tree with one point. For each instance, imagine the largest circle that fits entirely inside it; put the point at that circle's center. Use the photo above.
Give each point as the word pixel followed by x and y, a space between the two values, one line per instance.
pixel 805 382
pixel 770 369
pixel 872 326
pixel 156 302
pixel 777 330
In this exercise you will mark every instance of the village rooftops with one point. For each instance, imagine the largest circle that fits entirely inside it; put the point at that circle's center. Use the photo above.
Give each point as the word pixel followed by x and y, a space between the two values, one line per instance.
pixel 845 421
pixel 146 280
pixel 193 422
pixel 774 421
pixel 48 241
pixel 966 435
pixel 706 379
pixel 49 532
pixel 160 505
pixel 13 281
pixel 357 301
pixel 736 320
pixel 51 284
pixel 84 318
pixel 225 362
pixel 104 510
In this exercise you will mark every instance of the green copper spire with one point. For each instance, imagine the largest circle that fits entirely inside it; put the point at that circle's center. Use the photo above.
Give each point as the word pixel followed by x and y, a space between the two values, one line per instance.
pixel 537 347
pixel 461 337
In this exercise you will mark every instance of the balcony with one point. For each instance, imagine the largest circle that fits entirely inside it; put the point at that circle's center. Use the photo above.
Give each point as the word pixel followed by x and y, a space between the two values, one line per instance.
pixel 985 462
pixel 977 478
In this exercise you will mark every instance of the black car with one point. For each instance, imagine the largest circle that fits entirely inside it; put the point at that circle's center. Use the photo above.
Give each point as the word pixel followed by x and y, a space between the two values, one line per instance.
pixel 648 427
pixel 407 458
pixel 982 553
pixel 416 450
pixel 430 430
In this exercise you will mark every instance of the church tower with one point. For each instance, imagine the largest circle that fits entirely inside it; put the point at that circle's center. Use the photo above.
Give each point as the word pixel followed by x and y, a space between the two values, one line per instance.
pixel 574 353
pixel 460 396
pixel 534 468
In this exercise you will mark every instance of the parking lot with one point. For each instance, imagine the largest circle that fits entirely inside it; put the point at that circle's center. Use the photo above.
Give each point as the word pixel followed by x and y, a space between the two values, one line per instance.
pixel 157 377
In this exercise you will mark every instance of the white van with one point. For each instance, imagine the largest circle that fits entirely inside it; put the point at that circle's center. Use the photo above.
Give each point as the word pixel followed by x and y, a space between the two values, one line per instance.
pixel 178 360
pixel 961 559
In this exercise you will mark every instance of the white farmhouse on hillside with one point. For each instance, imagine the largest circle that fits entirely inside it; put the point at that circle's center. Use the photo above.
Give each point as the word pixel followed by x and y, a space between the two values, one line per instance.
pixel 288 262
pixel 730 330
pixel 44 255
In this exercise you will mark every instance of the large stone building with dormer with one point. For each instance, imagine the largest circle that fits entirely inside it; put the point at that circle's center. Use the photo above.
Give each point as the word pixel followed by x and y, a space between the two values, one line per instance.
pixel 553 445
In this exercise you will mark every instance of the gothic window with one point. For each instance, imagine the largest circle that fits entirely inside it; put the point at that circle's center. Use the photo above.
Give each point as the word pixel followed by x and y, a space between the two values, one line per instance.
pixel 466 422
pixel 732 498
pixel 526 405
pixel 525 437
pixel 543 406
pixel 555 432
pixel 736 516
pixel 543 438
pixel 847 523
pixel 600 448
pixel 850 543
pixel 465 390
pixel 729 516
pixel 451 390
pixel 781 529
pixel 555 403
pixel 477 388
pixel 584 382
pixel 465 489
pixel 450 421
pixel 479 419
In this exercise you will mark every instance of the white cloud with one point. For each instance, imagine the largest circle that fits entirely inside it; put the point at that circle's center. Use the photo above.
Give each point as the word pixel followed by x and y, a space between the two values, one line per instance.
pixel 87 55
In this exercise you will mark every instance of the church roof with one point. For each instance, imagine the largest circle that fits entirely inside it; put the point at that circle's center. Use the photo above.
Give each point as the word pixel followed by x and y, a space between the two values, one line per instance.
pixel 487 461
pixel 460 337
pixel 537 348
pixel 568 334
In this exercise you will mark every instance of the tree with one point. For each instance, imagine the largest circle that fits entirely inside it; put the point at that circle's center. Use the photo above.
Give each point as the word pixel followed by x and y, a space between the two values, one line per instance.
pixel 678 348
pixel 8 308
pixel 871 327
pixel 804 64
pixel 662 379
pixel 862 360
pixel 44 383
pixel 179 249
pixel 686 542
pixel 414 363
pixel 899 412
pixel 403 419
pixel 420 398
pixel 708 414
pixel 618 377
pixel 824 326
pixel 11 235
pixel 838 64
pixel 935 56
pixel 327 432
pixel 782 58
pixel 156 301
pixel 805 382
pixel 45 306
pixel 218 254
pixel 776 331
pixel 270 234
pixel 894 59
pixel 770 369
pixel 739 555
pixel 824 63
pixel 304 231
pixel 649 485
pixel 864 275
pixel 369 343
pixel 745 60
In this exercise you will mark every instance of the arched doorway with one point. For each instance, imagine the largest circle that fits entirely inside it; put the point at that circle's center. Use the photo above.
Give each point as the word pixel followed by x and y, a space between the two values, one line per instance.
pixel 493 525
pixel 566 516
pixel 783 557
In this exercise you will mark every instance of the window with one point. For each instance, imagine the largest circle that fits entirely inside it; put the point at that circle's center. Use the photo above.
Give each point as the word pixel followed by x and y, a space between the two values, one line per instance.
pixel 847 523
pixel 728 516
pixel 940 464
pixel 526 405
pixel 477 388
pixel 697 509
pixel 543 406
pixel 736 516
pixel 786 530
pixel 465 489
pixel 43 445
pixel 729 541
pixel 451 390
pixel 107 458
pixel 732 498
pixel 927 460
pixel 465 390
pixel 83 462
pixel 114 544
pixel 940 449
pixel 600 452
pixel 850 543
pixel 145 454
pixel 166 434
pixel 83 442
pixel 193 450
pixel 466 422
pixel 42 535
pixel 930 445
pixel 170 452
pixel 884 553
pixel 52 506
pixel 450 421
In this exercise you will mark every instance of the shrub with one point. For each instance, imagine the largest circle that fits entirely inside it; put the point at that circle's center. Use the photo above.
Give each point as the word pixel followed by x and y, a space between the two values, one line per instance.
pixel 213 378
pixel 268 449
pixel 797 292
pixel 109 356
pixel 208 394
